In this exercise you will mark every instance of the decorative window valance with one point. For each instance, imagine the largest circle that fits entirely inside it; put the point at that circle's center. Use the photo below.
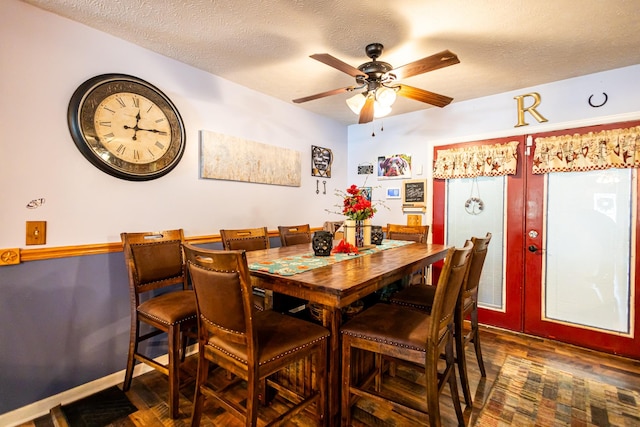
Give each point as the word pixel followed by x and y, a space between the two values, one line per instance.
pixel 477 160
pixel 615 148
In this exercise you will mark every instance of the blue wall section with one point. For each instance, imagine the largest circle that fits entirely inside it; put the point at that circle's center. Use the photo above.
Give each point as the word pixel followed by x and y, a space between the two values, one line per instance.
pixel 63 322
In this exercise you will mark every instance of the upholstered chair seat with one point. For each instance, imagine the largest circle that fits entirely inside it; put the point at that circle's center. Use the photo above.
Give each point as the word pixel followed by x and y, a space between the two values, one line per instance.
pixel 397 334
pixel 159 297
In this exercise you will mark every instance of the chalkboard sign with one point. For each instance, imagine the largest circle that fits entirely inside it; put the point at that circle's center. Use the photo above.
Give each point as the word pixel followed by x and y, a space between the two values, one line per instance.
pixel 415 191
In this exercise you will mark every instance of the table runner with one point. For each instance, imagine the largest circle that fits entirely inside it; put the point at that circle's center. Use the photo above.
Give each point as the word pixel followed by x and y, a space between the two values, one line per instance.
pixel 288 266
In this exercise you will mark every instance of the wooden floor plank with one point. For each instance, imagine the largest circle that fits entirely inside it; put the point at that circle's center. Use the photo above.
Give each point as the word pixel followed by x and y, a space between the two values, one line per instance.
pixel 149 391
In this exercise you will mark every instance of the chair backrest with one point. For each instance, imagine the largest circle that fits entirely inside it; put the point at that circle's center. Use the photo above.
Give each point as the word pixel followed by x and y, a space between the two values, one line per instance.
pixel 480 247
pixel 454 272
pixel 294 234
pixel 332 226
pixel 222 285
pixel 154 260
pixel 249 239
pixel 416 233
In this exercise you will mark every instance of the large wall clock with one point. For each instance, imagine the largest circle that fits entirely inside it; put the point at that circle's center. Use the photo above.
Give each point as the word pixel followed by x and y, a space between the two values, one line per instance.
pixel 126 127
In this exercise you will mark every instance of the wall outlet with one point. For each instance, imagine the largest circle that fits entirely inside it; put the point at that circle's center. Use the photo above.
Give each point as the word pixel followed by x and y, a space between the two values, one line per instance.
pixel 36 233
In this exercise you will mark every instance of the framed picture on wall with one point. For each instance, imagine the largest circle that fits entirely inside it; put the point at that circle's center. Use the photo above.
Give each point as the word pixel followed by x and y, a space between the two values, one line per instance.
pixel 321 159
pixel 393 193
pixel 366 192
pixel 414 195
pixel 395 166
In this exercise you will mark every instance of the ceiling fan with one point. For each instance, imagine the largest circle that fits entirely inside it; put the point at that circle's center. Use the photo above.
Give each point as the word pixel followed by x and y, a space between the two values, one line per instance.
pixel 380 80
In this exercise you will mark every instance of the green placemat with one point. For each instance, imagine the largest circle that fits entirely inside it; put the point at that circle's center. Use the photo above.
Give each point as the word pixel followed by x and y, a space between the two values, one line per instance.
pixel 288 266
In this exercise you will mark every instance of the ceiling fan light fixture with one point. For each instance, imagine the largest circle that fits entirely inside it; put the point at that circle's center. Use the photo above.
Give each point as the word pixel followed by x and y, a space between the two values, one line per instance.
pixel 380 110
pixel 380 79
pixel 386 96
pixel 356 102
pixel 384 99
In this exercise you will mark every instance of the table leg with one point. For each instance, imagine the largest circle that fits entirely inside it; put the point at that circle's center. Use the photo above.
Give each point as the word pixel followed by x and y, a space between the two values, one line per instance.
pixel 332 320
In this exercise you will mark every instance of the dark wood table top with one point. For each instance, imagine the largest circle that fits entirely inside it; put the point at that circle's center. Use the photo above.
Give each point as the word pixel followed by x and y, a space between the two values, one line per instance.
pixel 340 284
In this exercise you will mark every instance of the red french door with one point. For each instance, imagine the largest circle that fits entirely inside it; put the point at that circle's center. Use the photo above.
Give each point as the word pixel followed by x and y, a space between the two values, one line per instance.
pixel 507 272
pixel 580 246
pixel 562 274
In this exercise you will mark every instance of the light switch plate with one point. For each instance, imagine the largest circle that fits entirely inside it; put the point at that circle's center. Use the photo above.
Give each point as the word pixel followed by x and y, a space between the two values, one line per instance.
pixel 36 233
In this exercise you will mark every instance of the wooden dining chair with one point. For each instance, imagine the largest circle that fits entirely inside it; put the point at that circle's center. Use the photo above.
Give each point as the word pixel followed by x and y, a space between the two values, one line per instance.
pixel 249 239
pixel 415 233
pixel 250 344
pixel 410 336
pixel 422 298
pixel 155 263
pixel 294 234
pixel 253 239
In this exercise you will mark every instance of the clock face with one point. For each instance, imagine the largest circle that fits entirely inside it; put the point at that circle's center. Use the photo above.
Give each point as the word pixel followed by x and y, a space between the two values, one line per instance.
pixel 126 127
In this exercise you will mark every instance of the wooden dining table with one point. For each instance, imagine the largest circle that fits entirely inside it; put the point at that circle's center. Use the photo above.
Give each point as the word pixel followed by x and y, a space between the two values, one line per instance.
pixel 340 284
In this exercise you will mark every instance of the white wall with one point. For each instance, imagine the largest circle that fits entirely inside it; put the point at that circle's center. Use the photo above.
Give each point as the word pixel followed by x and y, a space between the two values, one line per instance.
pixel 564 104
pixel 44 58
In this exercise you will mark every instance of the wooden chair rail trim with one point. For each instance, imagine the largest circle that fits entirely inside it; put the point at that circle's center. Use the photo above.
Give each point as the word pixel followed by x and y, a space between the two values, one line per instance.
pixel 39 254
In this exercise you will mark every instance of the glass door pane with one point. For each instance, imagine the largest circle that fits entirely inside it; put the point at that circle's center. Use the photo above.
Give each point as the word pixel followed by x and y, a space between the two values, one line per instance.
pixel 467 217
pixel 588 249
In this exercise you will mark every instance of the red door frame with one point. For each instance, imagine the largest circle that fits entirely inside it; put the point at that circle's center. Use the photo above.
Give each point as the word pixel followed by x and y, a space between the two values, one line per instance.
pixel 511 318
pixel 533 324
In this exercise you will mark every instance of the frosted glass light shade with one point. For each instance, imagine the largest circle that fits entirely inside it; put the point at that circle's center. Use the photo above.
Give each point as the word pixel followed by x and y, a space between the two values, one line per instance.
pixel 380 110
pixel 385 96
pixel 356 102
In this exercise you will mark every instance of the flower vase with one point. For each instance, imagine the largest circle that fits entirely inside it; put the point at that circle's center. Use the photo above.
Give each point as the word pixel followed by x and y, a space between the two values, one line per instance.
pixel 367 232
pixel 356 232
pixel 350 231
pixel 359 232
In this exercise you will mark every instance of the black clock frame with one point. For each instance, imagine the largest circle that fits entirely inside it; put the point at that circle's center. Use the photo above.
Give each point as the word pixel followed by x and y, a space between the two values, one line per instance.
pixel 80 120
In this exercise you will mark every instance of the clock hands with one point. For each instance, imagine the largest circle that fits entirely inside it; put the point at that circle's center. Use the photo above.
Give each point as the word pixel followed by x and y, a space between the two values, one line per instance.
pixel 136 128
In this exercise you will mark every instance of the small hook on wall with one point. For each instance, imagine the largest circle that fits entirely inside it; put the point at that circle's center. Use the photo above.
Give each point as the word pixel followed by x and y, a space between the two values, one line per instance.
pixel 606 98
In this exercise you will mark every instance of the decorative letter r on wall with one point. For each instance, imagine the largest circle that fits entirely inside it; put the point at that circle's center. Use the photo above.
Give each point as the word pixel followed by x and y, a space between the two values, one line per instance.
pixel 531 109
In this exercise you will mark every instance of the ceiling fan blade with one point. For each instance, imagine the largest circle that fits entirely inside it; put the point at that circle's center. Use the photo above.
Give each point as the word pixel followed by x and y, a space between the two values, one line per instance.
pixel 324 94
pixel 430 63
pixel 339 65
pixel 366 114
pixel 424 96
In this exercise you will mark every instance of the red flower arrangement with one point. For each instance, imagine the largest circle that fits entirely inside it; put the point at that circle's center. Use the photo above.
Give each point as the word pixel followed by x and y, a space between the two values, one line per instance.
pixel 356 206
pixel 345 248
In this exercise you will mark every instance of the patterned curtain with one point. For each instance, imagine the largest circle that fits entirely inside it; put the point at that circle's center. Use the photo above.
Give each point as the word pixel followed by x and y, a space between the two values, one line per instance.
pixel 616 148
pixel 478 160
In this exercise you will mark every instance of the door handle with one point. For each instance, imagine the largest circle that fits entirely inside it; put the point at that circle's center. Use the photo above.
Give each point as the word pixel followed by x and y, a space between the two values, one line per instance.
pixel 533 248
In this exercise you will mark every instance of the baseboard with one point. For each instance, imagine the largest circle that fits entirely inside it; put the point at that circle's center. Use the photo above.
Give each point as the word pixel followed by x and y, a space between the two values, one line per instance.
pixel 42 407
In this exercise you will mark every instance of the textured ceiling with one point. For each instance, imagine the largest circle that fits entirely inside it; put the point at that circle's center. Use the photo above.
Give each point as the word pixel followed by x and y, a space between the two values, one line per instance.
pixel 265 44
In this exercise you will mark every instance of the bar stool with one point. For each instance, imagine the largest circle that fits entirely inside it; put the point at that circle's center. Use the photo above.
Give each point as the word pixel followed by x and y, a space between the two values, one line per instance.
pixel 422 297
pixel 248 239
pixel 155 262
pixel 250 344
pixel 408 336
pixel 415 233
pixel 294 234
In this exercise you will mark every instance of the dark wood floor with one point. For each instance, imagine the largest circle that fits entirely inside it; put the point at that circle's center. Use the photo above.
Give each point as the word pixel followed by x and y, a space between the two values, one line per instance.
pixel 149 391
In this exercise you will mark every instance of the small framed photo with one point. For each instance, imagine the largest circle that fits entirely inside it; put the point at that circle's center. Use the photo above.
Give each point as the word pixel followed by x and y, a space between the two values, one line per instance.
pixel 393 193
pixel 395 166
pixel 366 192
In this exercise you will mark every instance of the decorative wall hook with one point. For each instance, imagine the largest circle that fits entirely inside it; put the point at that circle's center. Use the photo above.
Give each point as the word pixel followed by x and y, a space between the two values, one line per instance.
pixel 606 98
